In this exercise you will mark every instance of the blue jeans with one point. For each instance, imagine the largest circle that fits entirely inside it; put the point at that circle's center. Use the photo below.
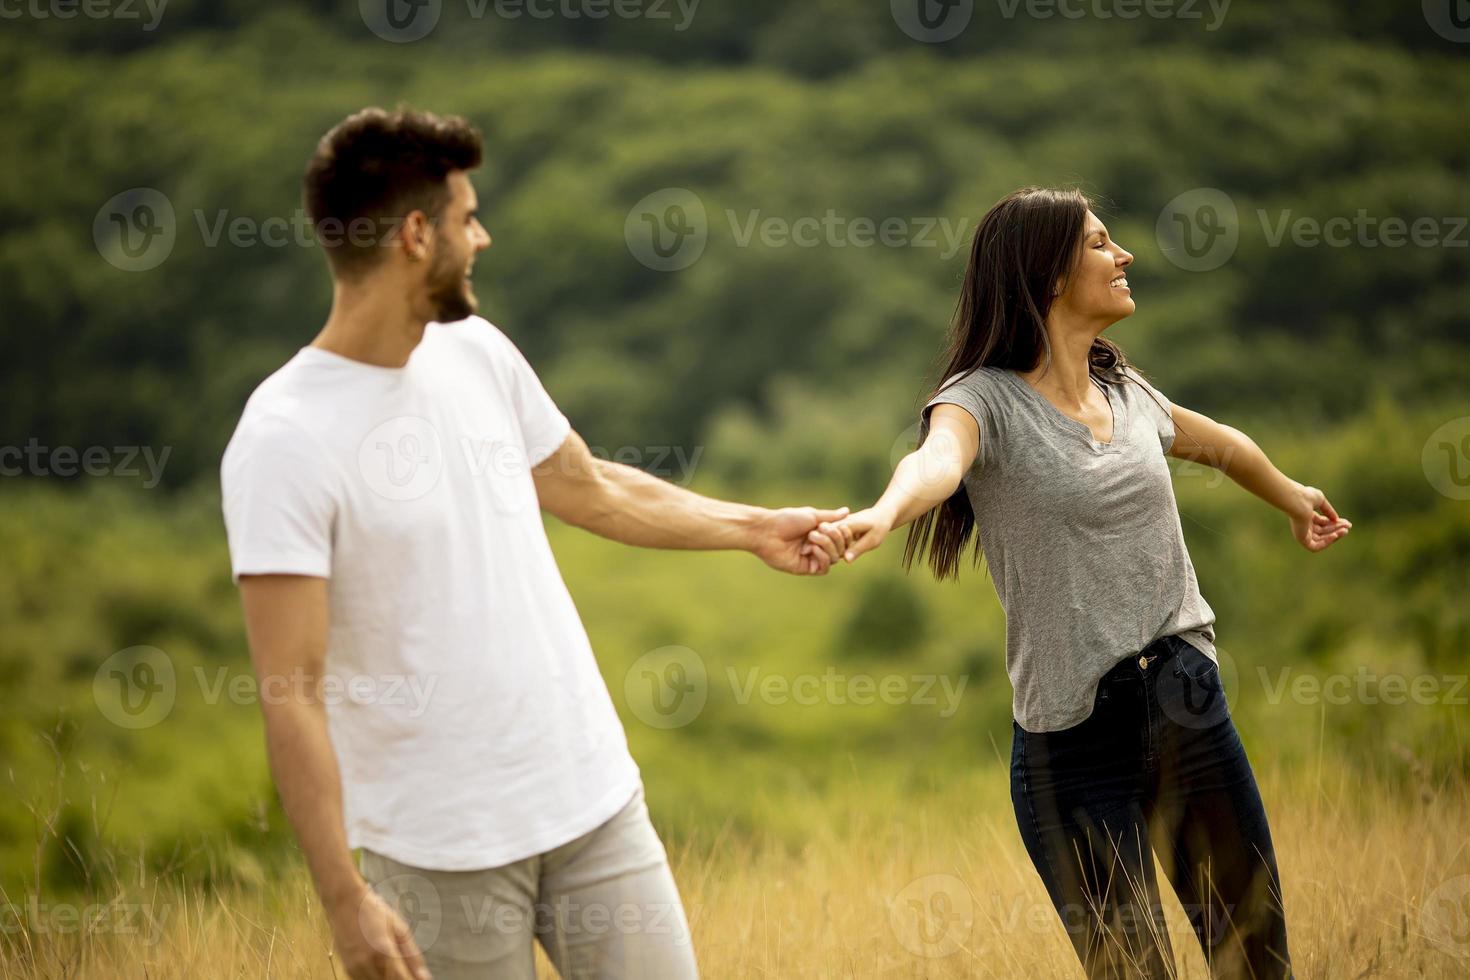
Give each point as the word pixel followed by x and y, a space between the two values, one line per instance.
pixel 1156 769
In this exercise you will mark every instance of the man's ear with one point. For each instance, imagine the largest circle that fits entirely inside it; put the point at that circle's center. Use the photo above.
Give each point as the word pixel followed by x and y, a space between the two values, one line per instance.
pixel 416 235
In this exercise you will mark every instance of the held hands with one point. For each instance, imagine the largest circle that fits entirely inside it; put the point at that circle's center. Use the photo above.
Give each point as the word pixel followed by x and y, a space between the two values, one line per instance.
pixel 830 536
pixel 808 541
pixel 861 532
pixel 788 541
pixel 1314 521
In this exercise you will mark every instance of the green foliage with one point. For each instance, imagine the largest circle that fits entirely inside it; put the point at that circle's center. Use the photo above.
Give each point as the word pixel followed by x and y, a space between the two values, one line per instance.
pixel 889 621
pixel 1291 123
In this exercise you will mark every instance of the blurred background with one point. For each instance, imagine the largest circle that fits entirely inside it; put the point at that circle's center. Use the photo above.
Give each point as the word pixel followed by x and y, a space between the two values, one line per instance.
pixel 729 237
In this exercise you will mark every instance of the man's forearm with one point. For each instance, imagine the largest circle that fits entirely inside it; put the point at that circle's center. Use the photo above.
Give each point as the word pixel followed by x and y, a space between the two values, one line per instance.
pixel 305 769
pixel 638 509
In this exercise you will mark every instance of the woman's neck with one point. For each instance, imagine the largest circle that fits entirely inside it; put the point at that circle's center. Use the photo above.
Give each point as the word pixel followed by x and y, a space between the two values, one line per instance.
pixel 1067 378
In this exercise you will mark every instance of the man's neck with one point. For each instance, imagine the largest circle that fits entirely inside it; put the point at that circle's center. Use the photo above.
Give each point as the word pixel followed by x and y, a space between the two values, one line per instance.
pixel 371 323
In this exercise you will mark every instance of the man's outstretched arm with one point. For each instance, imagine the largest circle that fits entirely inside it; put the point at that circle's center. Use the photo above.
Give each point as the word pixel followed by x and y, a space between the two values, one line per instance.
pixel 625 504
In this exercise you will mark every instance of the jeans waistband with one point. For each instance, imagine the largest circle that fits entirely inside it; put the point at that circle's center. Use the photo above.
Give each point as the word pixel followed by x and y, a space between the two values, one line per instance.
pixel 1164 647
pixel 1160 651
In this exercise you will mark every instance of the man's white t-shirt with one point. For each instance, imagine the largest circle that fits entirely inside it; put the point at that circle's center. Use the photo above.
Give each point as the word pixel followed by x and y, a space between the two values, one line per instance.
pixel 469 718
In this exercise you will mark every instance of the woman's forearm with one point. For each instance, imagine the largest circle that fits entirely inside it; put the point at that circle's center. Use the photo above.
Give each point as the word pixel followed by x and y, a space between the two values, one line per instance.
pixel 1247 464
pixel 925 477
pixel 922 480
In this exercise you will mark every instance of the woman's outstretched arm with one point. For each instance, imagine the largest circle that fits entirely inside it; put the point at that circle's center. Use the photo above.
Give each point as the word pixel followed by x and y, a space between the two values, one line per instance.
pixel 922 480
pixel 1314 521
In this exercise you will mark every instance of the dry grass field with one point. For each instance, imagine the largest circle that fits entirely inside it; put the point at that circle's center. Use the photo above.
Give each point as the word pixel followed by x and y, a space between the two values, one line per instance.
pixel 1377 885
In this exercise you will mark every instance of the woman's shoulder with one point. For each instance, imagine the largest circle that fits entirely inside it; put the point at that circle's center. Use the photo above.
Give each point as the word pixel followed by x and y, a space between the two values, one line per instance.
pixel 983 391
pixel 1130 376
pixel 983 378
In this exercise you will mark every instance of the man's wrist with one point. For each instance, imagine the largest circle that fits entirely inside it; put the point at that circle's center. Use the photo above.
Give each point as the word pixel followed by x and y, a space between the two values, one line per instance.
pixel 344 893
pixel 750 523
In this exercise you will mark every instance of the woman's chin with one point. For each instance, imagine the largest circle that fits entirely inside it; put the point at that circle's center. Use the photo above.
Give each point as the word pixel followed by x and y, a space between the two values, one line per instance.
pixel 1121 312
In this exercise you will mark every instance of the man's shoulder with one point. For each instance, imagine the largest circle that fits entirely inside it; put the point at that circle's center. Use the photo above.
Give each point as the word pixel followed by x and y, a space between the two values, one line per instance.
pixel 272 424
pixel 293 391
pixel 473 332
pixel 282 412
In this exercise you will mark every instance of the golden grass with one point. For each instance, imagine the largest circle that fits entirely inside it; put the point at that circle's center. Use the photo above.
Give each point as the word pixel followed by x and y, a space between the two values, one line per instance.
pixel 1377 885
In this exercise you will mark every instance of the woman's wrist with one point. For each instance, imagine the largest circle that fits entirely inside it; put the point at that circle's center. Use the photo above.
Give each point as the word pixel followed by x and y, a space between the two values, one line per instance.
pixel 1299 500
pixel 885 513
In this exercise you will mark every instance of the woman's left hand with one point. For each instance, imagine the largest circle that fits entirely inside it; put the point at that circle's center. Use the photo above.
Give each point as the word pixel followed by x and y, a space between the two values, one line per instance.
pixel 1314 521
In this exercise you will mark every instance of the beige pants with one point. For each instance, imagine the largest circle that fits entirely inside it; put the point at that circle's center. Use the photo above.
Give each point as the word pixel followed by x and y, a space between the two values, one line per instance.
pixel 602 906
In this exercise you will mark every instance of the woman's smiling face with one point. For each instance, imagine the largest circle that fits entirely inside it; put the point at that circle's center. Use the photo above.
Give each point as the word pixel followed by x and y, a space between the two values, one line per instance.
pixel 1098 289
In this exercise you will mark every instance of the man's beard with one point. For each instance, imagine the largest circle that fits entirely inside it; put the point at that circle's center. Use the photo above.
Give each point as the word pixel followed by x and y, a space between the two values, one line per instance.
pixel 450 298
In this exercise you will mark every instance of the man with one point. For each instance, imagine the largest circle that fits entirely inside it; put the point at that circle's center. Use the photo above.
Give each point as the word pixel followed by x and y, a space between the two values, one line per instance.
pixel 429 692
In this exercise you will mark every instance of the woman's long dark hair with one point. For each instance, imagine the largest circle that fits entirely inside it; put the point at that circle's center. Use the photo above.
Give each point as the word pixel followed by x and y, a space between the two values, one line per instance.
pixel 1025 251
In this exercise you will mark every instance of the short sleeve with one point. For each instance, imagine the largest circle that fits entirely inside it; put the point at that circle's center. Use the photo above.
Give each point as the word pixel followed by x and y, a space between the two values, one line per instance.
pixel 543 426
pixel 973 393
pixel 1161 411
pixel 279 493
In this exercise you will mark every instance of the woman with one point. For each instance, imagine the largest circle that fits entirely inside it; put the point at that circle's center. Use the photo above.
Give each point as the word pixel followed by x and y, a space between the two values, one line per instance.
pixel 1048 441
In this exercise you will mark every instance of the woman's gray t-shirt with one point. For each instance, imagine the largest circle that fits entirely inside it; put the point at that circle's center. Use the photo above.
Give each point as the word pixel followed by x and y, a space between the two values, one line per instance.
pixel 1082 538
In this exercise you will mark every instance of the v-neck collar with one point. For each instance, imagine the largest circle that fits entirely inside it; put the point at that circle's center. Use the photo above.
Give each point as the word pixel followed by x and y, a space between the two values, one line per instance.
pixel 1118 405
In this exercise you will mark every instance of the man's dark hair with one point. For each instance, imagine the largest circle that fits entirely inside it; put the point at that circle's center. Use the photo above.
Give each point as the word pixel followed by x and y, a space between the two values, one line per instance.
pixel 375 167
